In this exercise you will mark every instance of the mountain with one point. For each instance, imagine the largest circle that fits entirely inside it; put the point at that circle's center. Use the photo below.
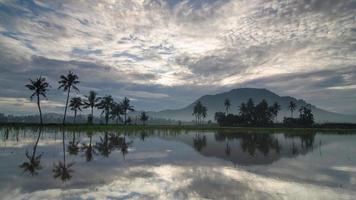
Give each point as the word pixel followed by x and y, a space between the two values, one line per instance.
pixel 215 103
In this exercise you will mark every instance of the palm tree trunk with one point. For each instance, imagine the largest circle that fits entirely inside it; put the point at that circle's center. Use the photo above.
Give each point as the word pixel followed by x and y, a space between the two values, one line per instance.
pixel 35 147
pixel 64 152
pixel 39 108
pixel 117 120
pixel 125 118
pixel 65 111
pixel 92 113
pixel 75 115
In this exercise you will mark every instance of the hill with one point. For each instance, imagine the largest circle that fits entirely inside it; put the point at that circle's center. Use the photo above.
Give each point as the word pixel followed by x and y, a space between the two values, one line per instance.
pixel 215 103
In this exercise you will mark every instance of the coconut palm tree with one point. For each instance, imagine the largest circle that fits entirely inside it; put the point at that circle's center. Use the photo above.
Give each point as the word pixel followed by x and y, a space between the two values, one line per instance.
pixel 203 112
pixel 126 107
pixel 75 104
pixel 275 109
pixel 39 87
pixel 227 105
pixel 144 117
pixel 91 101
pixel 106 104
pixel 67 83
pixel 292 107
pixel 116 112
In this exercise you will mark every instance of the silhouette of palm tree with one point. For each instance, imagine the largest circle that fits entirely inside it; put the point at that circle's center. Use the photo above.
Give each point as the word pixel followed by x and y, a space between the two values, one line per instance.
pixel 227 105
pixel 76 104
pixel 292 107
pixel 106 104
pixel 33 164
pixel 66 83
pixel 275 109
pixel 91 102
pixel 144 118
pixel 116 112
pixel 126 107
pixel 61 169
pixel 39 87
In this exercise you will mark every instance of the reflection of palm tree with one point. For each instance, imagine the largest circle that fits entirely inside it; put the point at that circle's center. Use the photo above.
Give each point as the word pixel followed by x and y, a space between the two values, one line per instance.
pixel 62 170
pixel 125 147
pixel 227 149
pixel 120 143
pixel 88 149
pixel 104 146
pixel 39 88
pixel 73 147
pixel 143 135
pixel 199 142
pixel 33 164
pixel 68 82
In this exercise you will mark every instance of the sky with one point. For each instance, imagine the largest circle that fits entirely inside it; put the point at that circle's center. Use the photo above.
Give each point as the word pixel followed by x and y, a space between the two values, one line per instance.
pixel 167 53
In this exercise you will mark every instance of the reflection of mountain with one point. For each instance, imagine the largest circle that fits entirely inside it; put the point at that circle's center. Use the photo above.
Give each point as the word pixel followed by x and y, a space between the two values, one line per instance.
pixel 215 103
pixel 249 148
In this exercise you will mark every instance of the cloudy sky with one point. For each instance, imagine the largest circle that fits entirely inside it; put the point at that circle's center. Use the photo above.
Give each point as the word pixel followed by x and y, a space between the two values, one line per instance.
pixel 165 54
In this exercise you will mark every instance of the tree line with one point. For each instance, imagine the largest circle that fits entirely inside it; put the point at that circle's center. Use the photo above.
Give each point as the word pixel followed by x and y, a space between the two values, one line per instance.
pixel 111 109
pixel 262 114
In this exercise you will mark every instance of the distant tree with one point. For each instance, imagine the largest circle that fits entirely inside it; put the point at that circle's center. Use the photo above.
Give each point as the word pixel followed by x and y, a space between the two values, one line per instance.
pixel 275 108
pixel 144 117
pixel 220 118
pixel 204 113
pixel 39 87
pixel 227 105
pixel 129 120
pixel 91 101
pixel 306 116
pixel 75 104
pixel 262 114
pixel 67 83
pixel 292 107
pixel 106 104
pixel 199 111
pixel 126 107
pixel 116 112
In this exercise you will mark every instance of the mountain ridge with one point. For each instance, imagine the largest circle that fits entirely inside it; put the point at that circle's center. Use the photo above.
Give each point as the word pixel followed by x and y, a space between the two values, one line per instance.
pixel 215 103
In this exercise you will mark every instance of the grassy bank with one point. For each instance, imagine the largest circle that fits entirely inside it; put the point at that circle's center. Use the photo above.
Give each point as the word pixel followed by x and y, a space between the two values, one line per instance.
pixel 112 127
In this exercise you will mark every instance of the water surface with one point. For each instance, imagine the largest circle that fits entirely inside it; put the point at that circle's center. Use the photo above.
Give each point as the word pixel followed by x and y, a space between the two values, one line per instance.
pixel 157 164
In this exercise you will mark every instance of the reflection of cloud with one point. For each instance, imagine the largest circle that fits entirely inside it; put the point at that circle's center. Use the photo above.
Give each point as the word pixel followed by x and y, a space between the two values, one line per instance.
pixel 176 182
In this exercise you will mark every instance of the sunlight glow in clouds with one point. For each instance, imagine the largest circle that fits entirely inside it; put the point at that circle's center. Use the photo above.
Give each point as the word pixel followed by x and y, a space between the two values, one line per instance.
pixel 127 47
